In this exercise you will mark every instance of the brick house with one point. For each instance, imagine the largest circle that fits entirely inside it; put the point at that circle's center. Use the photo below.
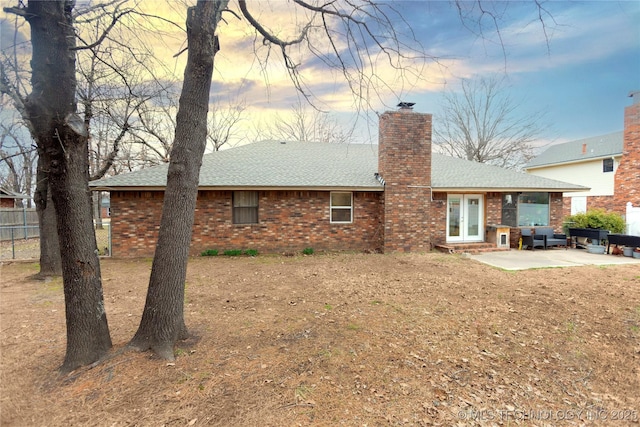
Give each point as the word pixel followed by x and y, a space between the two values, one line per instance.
pixel 609 165
pixel 398 196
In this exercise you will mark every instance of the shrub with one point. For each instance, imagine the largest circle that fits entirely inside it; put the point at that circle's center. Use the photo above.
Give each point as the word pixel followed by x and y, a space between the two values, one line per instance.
pixel 596 218
pixel 233 252
pixel 307 251
pixel 251 252
pixel 209 252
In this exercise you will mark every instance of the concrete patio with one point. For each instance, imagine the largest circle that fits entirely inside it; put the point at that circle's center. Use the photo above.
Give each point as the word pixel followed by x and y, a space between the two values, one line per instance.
pixel 522 260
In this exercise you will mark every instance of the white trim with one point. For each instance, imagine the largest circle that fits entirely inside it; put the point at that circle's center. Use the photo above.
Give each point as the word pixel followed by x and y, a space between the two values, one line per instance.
pixel 350 207
pixel 463 237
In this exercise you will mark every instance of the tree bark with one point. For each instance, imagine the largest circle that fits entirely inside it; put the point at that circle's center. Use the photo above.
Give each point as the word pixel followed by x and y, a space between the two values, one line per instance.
pixel 162 321
pixel 50 261
pixel 63 144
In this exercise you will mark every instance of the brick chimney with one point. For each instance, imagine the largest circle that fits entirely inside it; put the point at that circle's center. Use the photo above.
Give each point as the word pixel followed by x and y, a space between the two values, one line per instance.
pixel 404 163
pixel 627 179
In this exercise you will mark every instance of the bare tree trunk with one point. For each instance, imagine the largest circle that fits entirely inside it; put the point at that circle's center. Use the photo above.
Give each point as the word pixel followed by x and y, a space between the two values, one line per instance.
pixel 50 262
pixel 162 321
pixel 63 146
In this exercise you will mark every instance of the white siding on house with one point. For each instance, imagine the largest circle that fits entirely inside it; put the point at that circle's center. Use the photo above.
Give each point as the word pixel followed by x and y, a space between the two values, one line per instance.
pixel 578 204
pixel 588 173
pixel 633 220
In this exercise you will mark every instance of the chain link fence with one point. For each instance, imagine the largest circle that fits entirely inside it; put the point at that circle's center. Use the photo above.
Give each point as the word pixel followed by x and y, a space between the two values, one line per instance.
pixel 23 242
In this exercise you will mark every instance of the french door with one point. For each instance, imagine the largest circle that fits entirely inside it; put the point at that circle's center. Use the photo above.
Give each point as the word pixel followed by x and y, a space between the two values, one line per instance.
pixel 465 218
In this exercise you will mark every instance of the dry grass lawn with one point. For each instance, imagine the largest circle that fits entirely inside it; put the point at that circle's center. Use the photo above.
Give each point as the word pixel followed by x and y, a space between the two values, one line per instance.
pixel 342 339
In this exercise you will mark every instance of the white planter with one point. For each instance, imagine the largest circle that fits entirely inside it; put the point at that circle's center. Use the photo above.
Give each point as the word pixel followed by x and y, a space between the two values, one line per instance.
pixel 596 249
pixel 627 251
pixel 636 254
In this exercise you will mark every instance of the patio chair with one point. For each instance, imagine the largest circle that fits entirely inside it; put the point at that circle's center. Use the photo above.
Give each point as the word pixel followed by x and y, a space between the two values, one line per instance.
pixel 551 238
pixel 530 240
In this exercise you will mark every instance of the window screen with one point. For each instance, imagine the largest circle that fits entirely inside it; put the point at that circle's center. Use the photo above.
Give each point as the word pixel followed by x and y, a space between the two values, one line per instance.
pixel 245 207
pixel 341 207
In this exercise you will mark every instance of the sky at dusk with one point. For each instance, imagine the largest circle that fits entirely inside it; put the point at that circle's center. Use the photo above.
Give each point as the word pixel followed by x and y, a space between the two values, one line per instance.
pixel 582 77
pixel 578 65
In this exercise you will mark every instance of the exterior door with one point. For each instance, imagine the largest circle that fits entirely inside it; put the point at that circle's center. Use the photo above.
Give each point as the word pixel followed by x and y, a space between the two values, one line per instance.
pixel 465 218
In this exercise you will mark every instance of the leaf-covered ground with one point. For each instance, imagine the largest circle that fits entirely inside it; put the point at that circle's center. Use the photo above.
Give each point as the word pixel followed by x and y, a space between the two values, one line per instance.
pixel 348 339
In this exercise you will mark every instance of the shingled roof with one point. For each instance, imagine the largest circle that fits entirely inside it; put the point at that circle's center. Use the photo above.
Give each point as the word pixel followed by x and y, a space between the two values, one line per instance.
pixel 323 166
pixel 593 148
pixel 454 174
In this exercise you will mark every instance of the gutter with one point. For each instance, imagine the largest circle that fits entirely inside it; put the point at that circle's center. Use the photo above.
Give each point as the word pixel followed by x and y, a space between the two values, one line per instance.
pixel 508 189
pixel 247 188
pixel 571 162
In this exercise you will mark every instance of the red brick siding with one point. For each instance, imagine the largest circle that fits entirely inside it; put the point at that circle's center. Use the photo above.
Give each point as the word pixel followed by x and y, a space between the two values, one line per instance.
pixel 556 211
pixel 608 203
pixel 288 221
pixel 627 179
pixel 514 237
pixel 135 217
pixel 566 206
pixel 493 208
pixel 405 164
pixel 438 218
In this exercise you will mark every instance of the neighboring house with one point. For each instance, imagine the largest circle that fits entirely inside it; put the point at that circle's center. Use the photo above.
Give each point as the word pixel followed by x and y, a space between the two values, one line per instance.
pixel 16 220
pixel 591 162
pixel 277 196
pixel 9 198
pixel 608 164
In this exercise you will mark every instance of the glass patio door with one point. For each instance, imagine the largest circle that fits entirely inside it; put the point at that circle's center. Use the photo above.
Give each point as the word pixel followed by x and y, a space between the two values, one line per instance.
pixel 465 220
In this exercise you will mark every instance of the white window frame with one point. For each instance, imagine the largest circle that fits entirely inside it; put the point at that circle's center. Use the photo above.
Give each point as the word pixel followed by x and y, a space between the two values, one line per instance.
pixel 332 208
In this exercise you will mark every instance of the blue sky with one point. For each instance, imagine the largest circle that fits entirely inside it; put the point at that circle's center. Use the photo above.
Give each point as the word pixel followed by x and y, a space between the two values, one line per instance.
pixel 581 77
pixel 580 73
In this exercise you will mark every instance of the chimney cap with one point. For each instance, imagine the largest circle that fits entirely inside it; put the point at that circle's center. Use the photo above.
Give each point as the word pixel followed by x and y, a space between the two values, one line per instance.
pixel 406 105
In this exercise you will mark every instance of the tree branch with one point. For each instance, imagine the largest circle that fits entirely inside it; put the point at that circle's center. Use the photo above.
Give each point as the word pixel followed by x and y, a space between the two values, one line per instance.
pixel 112 156
pixel 105 33
pixel 20 11
pixel 269 37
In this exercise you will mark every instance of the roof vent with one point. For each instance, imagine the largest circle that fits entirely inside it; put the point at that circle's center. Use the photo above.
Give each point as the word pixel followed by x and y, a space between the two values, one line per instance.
pixel 406 105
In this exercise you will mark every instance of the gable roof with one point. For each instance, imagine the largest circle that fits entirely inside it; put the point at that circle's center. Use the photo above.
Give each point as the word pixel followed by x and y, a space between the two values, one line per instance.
pixel 596 147
pixel 324 166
